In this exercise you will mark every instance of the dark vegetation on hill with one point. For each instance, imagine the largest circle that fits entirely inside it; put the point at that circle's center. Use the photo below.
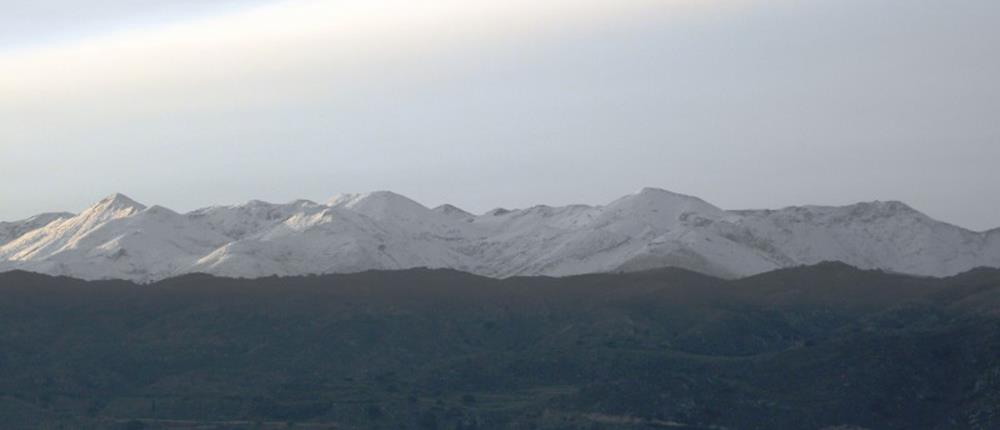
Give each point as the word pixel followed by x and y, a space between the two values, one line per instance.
pixel 826 346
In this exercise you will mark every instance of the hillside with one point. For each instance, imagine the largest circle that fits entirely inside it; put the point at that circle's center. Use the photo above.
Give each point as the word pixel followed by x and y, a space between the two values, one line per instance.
pixel 809 348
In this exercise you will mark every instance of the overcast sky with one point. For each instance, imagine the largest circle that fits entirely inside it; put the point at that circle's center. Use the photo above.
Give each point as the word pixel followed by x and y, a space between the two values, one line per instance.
pixel 747 104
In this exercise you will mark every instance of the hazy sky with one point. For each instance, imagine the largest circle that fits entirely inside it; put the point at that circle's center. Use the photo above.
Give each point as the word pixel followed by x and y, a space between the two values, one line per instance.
pixel 746 104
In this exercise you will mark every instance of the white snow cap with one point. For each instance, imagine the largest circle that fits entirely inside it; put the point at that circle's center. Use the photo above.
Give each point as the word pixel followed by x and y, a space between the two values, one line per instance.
pixel 118 237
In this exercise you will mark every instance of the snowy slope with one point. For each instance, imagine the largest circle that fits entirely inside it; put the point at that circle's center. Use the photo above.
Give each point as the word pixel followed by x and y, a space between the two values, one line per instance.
pixel 120 238
pixel 115 238
pixel 239 221
pixel 391 209
pixel 332 240
pixel 15 229
pixel 652 228
pixel 877 235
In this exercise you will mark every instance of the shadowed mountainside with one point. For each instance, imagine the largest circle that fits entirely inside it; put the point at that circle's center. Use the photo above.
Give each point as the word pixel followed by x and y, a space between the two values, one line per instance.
pixel 812 348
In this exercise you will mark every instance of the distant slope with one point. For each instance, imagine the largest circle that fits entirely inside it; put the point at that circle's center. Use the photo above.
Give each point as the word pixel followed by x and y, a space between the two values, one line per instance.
pixel 653 228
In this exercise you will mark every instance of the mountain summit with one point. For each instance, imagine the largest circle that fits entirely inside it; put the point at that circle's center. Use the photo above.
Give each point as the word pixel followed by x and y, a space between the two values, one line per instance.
pixel 119 237
pixel 116 205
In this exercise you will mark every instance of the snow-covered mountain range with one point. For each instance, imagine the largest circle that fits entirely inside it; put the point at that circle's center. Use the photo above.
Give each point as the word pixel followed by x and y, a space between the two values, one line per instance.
pixel 121 238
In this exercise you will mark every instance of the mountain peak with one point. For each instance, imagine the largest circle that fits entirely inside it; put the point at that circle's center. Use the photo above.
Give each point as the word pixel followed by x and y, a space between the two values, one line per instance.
pixel 258 203
pixel 657 191
pixel 118 201
pixel 384 199
pixel 452 210
pixel 381 205
pixel 660 194
pixel 116 205
pixel 663 202
pixel 883 209
pixel 157 210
